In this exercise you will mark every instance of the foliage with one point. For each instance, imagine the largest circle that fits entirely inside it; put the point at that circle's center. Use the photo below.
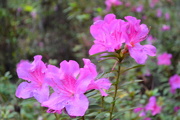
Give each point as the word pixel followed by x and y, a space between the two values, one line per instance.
pixel 59 30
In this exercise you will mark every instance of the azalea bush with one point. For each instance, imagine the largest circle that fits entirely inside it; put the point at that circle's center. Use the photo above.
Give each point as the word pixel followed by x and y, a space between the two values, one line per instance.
pixel 111 59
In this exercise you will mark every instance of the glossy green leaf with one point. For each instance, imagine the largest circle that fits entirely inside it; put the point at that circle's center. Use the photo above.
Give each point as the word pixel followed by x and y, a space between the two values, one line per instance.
pixel 137 66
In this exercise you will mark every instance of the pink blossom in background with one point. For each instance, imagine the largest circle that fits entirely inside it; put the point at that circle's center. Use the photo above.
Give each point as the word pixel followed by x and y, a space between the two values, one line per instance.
pixel 147 73
pixel 144 17
pixel 153 106
pixel 159 13
pixel 174 82
pixel 153 3
pixel 135 33
pixel 19 9
pixel 167 16
pixel 56 8
pixel 128 4
pixel 177 108
pixel 69 83
pixel 110 3
pixel 34 14
pixel 165 28
pixel 34 73
pixel 97 18
pixel 151 39
pixel 139 8
pixel 164 59
pixel 141 111
pixel 138 109
pixel 108 34
pixel 147 118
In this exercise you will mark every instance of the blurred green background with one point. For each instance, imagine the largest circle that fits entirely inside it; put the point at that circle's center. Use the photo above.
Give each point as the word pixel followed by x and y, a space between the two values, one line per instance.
pixel 59 30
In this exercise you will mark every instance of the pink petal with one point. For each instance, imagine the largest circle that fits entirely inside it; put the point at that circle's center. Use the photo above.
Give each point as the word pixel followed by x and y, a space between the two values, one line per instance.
pixel 96 48
pixel 109 17
pixel 136 110
pixel 78 105
pixel 27 90
pixel 89 65
pixel 157 110
pixel 174 82
pixel 53 76
pixel 142 114
pixel 23 70
pixel 71 67
pixel 56 102
pixel 100 85
pixel 139 52
pixel 24 90
pixel 41 94
pixel 34 71
pixel 83 81
pixel 95 29
pixel 149 50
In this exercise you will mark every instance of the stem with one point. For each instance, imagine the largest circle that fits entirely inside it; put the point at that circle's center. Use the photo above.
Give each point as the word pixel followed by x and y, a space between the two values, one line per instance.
pixel 83 118
pixel 102 103
pixel 115 93
pixel 57 117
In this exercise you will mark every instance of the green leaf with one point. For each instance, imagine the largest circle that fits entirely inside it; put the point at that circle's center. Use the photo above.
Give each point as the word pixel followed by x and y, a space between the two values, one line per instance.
pixel 102 115
pixel 137 66
pixel 107 74
pixel 108 99
pixel 92 114
pixel 102 53
pixel 130 82
pixel 121 111
pixel 107 59
pixel 108 56
pixel 91 93
pixel 95 107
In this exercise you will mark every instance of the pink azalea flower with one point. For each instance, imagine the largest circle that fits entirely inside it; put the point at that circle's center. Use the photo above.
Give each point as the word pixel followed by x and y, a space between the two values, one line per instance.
pixel 165 28
pixel 159 13
pixel 147 73
pixel 152 106
pixel 34 14
pixel 108 34
pixel 164 59
pixel 151 39
pixel 34 73
pixel 140 110
pixel 136 33
pixel 177 108
pixel 19 9
pixel 128 4
pixel 139 8
pixel 144 17
pixel 69 84
pixel 110 3
pixel 174 82
pixel 167 16
pixel 147 118
pixel 111 33
pixel 153 3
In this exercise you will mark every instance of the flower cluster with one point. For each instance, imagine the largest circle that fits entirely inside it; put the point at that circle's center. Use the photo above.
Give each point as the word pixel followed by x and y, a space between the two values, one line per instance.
pixel 69 83
pixel 174 82
pixel 110 34
pixel 151 106
pixel 164 59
